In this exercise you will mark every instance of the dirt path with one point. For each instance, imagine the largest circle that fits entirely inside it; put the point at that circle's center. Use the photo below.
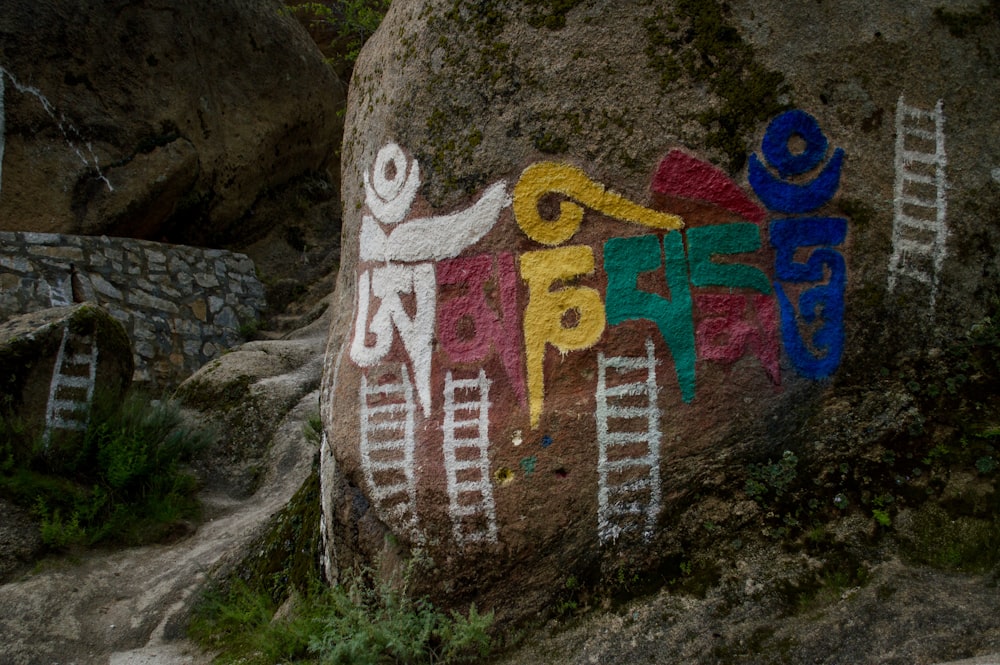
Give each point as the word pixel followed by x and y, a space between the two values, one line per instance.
pixel 127 607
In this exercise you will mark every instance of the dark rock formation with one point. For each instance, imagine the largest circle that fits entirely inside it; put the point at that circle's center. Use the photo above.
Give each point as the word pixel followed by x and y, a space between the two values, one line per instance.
pixel 157 120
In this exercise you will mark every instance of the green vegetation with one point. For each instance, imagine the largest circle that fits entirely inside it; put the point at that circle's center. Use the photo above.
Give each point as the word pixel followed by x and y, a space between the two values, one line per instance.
pixel 273 608
pixel 770 481
pixel 549 14
pixel 352 22
pixel 940 539
pixel 960 23
pixel 370 625
pixel 359 623
pixel 123 480
pixel 695 40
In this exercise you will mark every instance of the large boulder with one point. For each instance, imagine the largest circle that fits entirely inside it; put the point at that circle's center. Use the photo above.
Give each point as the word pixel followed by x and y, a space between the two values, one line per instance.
pixel 56 362
pixel 628 284
pixel 157 121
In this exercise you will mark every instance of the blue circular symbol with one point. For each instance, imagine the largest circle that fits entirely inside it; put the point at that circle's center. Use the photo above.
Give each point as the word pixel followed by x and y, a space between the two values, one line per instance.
pixel 781 130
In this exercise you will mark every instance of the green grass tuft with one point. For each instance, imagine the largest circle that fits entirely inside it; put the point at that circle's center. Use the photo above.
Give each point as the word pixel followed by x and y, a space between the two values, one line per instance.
pixel 123 480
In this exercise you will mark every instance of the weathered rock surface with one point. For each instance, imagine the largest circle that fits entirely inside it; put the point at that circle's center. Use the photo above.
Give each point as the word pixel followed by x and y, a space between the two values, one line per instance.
pixel 55 360
pixel 156 120
pixel 624 285
pixel 901 616
pixel 244 395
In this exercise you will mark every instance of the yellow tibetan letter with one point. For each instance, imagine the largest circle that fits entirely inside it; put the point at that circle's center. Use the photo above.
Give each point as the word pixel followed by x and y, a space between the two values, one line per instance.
pixel 570 318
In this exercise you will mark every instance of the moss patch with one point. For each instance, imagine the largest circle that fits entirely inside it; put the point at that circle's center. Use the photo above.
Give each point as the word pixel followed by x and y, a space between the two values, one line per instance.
pixel 696 41
pixel 961 24
pixel 285 558
pixel 549 14
pixel 936 538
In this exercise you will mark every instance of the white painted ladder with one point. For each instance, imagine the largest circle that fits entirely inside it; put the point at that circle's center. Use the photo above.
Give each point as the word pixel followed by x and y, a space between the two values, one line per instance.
pixel 919 231
pixel 387 446
pixel 72 389
pixel 628 441
pixel 466 459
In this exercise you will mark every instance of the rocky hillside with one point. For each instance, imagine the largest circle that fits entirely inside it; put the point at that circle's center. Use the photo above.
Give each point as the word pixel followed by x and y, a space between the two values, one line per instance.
pixel 663 331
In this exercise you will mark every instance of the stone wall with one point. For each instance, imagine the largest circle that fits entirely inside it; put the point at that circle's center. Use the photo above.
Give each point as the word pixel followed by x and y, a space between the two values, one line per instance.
pixel 181 306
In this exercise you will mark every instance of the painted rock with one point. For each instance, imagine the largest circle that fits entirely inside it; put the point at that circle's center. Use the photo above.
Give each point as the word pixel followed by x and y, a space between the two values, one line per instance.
pixel 56 363
pixel 579 295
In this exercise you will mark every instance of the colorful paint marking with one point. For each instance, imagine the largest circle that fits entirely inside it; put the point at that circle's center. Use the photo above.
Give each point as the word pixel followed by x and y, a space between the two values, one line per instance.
pixel 544 178
pixel 469 327
pixel 570 318
pixel 466 458
pixel 714 276
pixel 388 445
pixel 628 445
pixel 406 252
pixel 920 197
pixel 71 391
pixel 811 293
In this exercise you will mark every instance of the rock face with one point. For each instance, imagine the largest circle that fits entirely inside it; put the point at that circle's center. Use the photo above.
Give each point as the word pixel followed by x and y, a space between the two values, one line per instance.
pixel 615 276
pixel 244 395
pixel 156 121
pixel 54 361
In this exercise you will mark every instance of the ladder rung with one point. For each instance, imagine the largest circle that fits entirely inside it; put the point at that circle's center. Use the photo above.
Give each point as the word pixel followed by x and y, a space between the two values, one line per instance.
pixel 625 438
pixel 385 491
pixel 465 465
pixel 393 407
pixel 466 510
pixel 71 381
pixel 910 156
pixel 630 463
pixel 920 276
pixel 387 444
pixel 631 411
pixel 913 176
pixel 911 222
pixel 74 425
pixel 626 389
pixel 468 486
pixel 394 465
pixel 916 201
pixel 385 388
pixel 926 134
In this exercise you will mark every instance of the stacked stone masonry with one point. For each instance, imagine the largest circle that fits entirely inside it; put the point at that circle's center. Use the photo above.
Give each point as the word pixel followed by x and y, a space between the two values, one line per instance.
pixel 180 305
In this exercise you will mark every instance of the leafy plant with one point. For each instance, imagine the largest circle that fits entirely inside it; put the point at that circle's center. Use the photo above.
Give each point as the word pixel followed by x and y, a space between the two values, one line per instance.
pixel 352 21
pixel 369 625
pixel 123 480
pixel 773 479
pixel 313 429
pixel 882 517
pixel 358 623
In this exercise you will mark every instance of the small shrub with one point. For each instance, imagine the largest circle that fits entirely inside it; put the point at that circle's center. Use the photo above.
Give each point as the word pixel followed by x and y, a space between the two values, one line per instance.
pixel 357 624
pixel 56 533
pixel 771 480
pixel 123 481
pixel 352 21
pixel 374 624
pixel 882 517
